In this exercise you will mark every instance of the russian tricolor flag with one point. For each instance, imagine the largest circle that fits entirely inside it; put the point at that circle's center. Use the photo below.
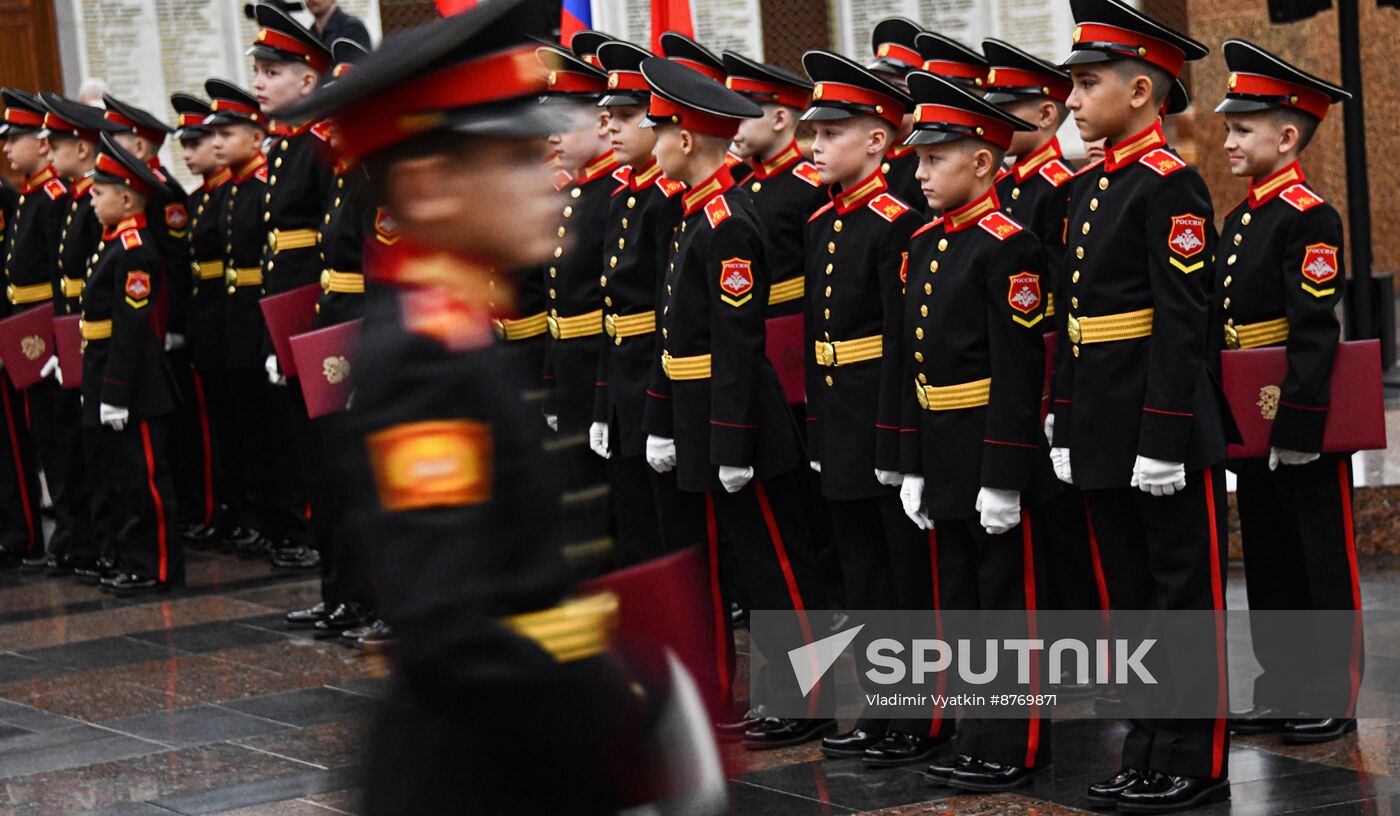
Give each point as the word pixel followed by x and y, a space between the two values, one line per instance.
pixel 669 15
pixel 575 16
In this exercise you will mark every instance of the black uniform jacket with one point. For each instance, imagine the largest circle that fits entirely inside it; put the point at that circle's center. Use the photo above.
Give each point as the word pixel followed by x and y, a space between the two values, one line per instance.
pixel 341 241
pixel 974 361
pixel 1035 191
pixel 123 291
pixel 643 216
pixel 77 241
pixel 1279 276
pixel 1140 236
pixel 209 293
pixel 168 217
pixel 31 258
pixel 857 251
pixel 785 191
pixel 722 404
pixel 899 167
pixel 245 235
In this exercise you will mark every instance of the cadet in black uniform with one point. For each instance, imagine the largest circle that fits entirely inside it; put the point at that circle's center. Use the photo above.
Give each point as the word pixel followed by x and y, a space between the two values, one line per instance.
pixel 855 269
pixel 716 412
pixel 652 515
pixel 32 281
pixel 288 63
pixel 1140 423
pixel 128 387
pixel 72 131
pixel 238 129
pixel 1278 283
pixel 451 472
pixel 975 358
pixel 895 42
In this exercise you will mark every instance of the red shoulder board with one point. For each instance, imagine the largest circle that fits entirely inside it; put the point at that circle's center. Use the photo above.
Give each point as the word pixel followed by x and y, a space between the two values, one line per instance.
pixel 455 322
pixel 176 216
pixel 717 210
pixel 926 227
pixel 54 189
pixel 828 205
pixel 669 187
pixel 1301 198
pixel 808 172
pixel 1056 173
pixel 1162 162
pixel 999 225
pixel 138 285
pixel 888 207
pixel 261 174
pixel 131 239
pixel 386 231
pixel 322 131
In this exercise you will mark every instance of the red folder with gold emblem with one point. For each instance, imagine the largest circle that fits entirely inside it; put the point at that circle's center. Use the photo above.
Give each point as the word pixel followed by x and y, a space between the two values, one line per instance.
pixel 67 335
pixel 1355 413
pixel 785 351
pixel 26 343
pixel 286 314
pixel 325 360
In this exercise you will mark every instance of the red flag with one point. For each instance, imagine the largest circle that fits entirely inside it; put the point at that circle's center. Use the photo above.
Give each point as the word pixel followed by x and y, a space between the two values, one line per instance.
pixel 669 15
pixel 451 7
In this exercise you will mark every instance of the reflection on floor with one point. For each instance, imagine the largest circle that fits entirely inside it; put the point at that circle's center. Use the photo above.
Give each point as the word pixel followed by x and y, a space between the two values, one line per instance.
pixel 200 702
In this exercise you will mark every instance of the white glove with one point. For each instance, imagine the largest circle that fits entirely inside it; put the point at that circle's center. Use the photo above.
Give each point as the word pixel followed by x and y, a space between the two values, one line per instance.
pixel 815 465
pixel 1158 477
pixel 598 438
pixel 889 478
pixel 1050 429
pixel 734 478
pixel 911 496
pixel 112 416
pixel 1277 456
pixel 1059 459
pixel 661 453
pixel 552 420
pixel 50 369
pixel 1000 509
pixel 274 374
pixel 174 342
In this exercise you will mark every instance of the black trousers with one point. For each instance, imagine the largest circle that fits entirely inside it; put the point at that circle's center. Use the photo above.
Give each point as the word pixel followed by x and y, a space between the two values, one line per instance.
pixel 976 570
pixel 21 528
pixel 55 416
pixel 139 474
pixel 1169 553
pixel 885 562
pixel 344 578
pixel 645 507
pixel 107 511
pixel 1300 553
pixel 762 532
pixel 1074 578
pixel 289 447
pixel 246 444
pixel 192 456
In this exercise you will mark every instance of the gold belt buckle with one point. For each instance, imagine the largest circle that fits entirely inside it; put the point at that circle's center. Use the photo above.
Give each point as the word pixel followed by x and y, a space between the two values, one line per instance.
pixel 1232 337
pixel 922 396
pixel 500 327
pixel 553 326
pixel 1072 328
pixel 610 325
pixel 325 280
pixel 666 363
pixel 231 275
pixel 826 353
pixel 272 240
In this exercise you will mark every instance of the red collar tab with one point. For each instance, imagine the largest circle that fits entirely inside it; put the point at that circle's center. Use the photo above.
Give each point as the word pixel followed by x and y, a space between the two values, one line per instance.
pixel 1024 168
pixel 885 107
pixel 1017 80
pixel 317 58
pixel 131 222
pixel 250 167
pixel 1283 94
pixel 773 92
pixel 34 182
pixel 970 213
pixel 956 120
pixel 860 194
pixel 596 168
pixel 1260 192
pixel 641 179
pixel 710 124
pixel 416 105
pixel 707 190
pixel 1134 148
pixel 899 151
pixel 285 130
pixel 82 187
pixel 218 178
pixel 786 158
pixel 1124 43
pixel 900 53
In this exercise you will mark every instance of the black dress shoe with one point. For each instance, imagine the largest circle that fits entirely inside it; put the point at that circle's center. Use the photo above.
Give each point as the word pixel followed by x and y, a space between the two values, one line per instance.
pixel 1302 732
pixel 240 536
pixel 1106 793
pixel 306 617
pixel 940 772
pixel 851 743
pixel 35 563
pixel 379 638
pixel 1257 720
pixel 898 749
pixel 130 585
pixel 733 729
pixel 95 574
pixel 56 565
pixel 297 558
pixel 738 616
pixel 774 732
pixel 991 777
pixel 1159 793
pixel 345 616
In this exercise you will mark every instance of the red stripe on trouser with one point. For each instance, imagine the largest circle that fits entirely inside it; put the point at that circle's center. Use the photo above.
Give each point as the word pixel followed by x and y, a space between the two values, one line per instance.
pixel 794 594
pixel 1217 589
pixel 19 467
pixel 164 561
pixel 201 406
pixel 1344 484
pixel 935 726
pixel 1028 580
pixel 1100 583
pixel 717 602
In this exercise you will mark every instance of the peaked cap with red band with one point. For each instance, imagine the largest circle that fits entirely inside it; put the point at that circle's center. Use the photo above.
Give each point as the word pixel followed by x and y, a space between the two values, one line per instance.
pixel 230 104
pixel 894 41
pixel 765 84
pixel 1112 30
pixel 475 72
pixel 585 45
pixel 116 166
pixel 23 113
pixel 691 54
pixel 951 59
pixel 683 96
pixel 1260 80
pixel 346 53
pixel 282 39
pixel 568 76
pixel 190 115
pixel 623 62
pixel 945 110
pixel 136 120
pixel 66 117
pixel 1013 74
pixel 842 89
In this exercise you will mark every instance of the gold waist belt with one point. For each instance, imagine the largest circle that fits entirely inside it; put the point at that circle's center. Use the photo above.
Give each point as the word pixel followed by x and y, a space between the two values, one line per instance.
pixel 34 293
pixel 621 326
pixel 845 352
pixel 568 328
pixel 350 283
pixel 952 397
pixel 247 276
pixel 573 630
pixel 283 240
pixel 686 368
pixel 1254 335
pixel 521 328
pixel 1108 328
pixel 207 270
pixel 72 287
pixel 95 330
pixel 785 291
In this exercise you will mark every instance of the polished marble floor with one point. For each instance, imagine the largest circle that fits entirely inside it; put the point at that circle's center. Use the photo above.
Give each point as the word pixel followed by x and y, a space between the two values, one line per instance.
pixel 201 702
